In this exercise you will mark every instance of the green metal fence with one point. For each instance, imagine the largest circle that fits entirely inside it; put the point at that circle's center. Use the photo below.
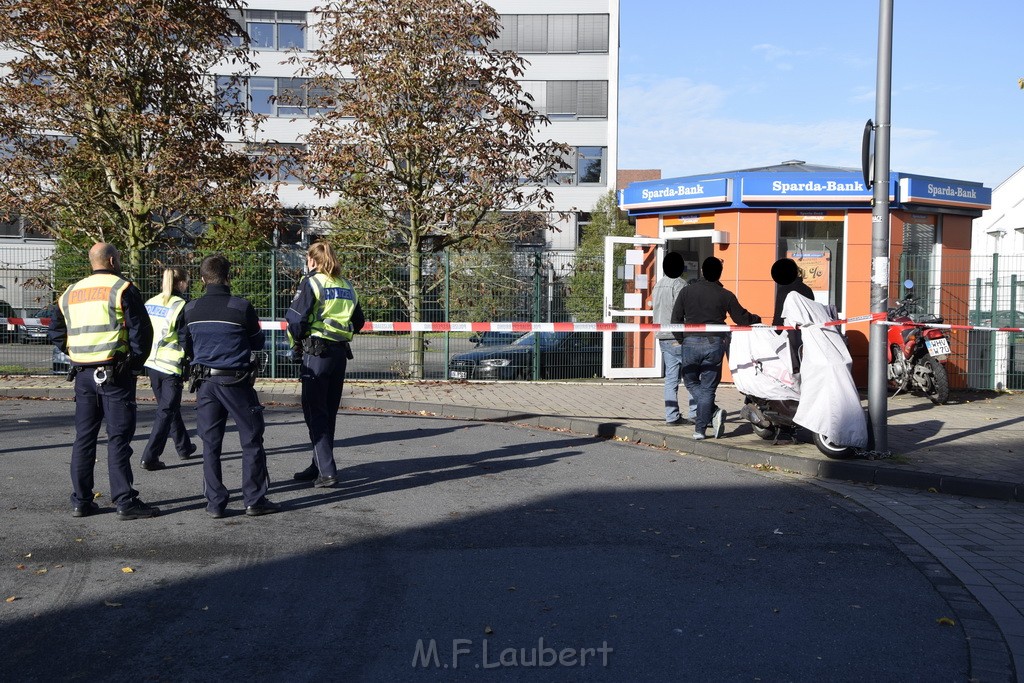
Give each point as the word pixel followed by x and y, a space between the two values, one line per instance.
pixel 531 286
pixel 984 291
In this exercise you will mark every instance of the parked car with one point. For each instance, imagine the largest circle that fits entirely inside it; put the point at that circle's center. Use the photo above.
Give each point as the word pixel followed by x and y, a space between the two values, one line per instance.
pixel 1002 318
pixel 36 332
pixel 60 363
pixel 286 367
pixel 563 355
pixel 494 338
pixel 8 331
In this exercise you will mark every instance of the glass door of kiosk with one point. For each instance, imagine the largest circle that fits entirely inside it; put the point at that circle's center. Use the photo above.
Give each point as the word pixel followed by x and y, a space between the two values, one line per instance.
pixel 628 263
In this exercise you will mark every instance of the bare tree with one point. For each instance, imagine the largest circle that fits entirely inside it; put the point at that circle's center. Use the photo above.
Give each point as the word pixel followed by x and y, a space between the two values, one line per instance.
pixel 109 122
pixel 425 129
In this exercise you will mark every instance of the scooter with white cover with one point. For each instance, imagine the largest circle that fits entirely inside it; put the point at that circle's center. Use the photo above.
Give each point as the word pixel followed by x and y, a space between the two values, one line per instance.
pixel 811 388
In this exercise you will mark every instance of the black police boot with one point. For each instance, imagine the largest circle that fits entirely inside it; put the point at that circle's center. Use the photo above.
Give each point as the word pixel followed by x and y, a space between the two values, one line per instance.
pixel 308 474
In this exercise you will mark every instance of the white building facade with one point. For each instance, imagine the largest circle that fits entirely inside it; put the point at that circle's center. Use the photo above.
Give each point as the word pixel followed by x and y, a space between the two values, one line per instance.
pixel 1000 230
pixel 573 54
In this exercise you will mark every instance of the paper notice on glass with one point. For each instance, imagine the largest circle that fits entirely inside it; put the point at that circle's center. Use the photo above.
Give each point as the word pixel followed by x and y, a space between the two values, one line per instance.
pixel 632 301
pixel 640 281
pixel 627 273
pixel 634 257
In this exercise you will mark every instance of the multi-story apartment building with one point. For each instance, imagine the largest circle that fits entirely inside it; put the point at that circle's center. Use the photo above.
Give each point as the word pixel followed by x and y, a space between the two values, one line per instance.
pixel 572 49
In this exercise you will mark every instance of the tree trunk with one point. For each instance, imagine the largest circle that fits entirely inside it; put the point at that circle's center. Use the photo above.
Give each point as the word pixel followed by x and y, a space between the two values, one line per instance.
pixel 415 305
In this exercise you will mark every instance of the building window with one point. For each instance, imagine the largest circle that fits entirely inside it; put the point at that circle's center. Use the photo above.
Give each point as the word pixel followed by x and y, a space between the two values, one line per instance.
pixel 553 33
pixel 918 262
pixel 283 97
pixel 586 167
pixel 275 30
pixel 293 228
pixel 590 165
pixel 10 226
pixel 592 33
pixel 569 99
pixel 13 225
pixel 815 242
pixel 283 165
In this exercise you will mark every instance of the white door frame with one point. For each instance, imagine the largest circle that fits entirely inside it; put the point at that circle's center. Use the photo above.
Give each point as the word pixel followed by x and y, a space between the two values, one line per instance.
pixel 611 313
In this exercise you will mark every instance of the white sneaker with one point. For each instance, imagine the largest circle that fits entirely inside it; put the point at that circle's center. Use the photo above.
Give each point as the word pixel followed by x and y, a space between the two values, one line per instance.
pixel 699 436
pixel 718 422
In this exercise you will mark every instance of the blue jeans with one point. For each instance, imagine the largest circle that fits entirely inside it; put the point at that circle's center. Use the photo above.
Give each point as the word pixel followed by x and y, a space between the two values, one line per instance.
pixel 672 356
pixel 702 371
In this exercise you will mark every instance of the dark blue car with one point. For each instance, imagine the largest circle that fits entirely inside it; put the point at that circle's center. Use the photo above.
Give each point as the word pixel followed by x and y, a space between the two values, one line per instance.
pixel 563 355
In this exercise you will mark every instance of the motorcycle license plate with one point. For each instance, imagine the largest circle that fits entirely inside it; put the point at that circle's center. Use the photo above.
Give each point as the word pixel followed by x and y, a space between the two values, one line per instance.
pixel 937 347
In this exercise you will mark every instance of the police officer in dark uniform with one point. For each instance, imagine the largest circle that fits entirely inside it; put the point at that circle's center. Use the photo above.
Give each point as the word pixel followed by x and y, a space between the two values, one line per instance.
pixel 220 334
pixel 322 318
pixel 102 324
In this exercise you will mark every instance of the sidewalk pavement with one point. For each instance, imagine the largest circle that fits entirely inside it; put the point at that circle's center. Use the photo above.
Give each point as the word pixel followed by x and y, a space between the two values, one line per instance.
pixel 971 446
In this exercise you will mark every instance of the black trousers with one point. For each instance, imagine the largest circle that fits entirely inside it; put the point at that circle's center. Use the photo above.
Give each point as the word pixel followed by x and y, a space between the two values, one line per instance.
pixel 168 421
pixel 114 403
pixel 214 404
pixel 323 378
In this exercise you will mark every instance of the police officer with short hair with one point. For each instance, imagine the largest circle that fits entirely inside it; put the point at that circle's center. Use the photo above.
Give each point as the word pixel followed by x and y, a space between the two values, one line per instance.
pixel 164 368
pixel 101 324
pixel 322 318
pixel 220 334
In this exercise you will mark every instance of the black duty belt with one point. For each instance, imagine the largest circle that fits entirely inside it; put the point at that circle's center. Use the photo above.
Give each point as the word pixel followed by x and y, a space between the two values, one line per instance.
pixel 217 372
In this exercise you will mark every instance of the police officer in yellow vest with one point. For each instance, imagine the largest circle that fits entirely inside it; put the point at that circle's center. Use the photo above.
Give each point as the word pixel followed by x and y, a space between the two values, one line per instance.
pixel 322 318
pixel 101 323
pixel 164 368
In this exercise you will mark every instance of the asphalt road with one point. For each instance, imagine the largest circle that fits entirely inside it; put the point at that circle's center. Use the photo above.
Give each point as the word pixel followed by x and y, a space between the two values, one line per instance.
pixel 455 551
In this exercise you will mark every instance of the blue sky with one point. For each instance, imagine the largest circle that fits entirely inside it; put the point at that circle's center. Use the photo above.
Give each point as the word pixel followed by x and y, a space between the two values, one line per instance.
pixel 719 86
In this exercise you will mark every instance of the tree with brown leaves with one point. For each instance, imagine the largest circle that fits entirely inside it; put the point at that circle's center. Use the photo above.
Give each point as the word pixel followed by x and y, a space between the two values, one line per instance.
pixel 109 122
pixel 428 131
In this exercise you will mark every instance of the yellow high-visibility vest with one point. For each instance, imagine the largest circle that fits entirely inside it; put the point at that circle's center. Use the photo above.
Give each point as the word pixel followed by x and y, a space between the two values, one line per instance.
pixel 167 352
pixel 336 304
pixel 94 314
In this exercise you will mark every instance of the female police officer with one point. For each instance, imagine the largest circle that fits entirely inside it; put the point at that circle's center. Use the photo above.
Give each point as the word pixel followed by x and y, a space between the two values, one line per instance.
pixel 164 368
pixel 322 318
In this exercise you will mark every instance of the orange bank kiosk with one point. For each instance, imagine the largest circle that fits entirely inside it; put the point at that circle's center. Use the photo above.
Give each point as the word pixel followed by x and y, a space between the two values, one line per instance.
pixel 817 215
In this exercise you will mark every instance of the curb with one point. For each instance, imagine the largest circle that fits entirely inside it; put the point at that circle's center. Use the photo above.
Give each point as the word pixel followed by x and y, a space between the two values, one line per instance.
pixel 857 471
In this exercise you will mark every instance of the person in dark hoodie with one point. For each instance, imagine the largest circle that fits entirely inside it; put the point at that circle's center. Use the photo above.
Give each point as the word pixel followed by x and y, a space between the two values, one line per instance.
pixel 707 302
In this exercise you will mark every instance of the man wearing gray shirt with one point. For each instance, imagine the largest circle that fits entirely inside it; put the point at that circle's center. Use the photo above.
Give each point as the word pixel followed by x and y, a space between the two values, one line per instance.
pixel 663 298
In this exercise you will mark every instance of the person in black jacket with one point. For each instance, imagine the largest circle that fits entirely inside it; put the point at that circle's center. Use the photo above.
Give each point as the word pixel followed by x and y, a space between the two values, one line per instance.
pixel 220 335
pixel 706 301
pixel 102 324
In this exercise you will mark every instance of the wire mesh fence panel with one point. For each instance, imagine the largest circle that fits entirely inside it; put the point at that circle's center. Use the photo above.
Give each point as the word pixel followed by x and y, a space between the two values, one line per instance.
pixel 980 291
pixel 456 286
pixel 491 286
pixel 996 299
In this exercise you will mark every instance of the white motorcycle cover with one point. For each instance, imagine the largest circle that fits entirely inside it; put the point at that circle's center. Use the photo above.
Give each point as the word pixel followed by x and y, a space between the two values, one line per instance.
pixel 762 366
pixel 829 402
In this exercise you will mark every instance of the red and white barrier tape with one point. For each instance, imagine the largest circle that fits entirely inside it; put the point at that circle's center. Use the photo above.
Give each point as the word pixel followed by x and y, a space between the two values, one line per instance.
pixel 878 318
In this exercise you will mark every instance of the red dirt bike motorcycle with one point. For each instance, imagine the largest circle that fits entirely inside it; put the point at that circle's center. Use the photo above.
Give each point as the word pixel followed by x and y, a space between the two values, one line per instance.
pixel 916 354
